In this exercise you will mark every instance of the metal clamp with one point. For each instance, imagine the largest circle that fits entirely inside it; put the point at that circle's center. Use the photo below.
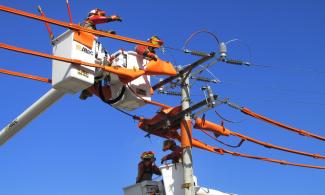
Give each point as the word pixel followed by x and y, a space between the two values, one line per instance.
pixel 187 185
pixel 210 97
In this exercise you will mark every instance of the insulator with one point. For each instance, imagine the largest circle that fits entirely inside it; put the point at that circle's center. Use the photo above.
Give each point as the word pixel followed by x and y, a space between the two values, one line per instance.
pixel 196 53
pixel 237 62
pixel 204 79
pixel 210 94
pixel 174 93
pixel 223 50
pixel 162 87
pixel 234 105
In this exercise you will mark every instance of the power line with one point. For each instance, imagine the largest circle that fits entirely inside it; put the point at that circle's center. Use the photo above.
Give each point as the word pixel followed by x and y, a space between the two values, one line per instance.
pixel 266 87
pixel 286 68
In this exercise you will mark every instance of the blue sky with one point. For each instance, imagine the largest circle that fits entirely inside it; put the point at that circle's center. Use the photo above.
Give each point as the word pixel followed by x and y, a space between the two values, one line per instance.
pixel 86 147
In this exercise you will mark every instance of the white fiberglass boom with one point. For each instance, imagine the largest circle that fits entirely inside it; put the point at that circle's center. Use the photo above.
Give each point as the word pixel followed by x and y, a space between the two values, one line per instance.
pixel 30 113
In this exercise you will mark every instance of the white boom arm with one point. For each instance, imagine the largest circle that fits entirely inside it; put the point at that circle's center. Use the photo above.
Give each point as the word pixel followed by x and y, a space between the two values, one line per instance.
pixel 29 114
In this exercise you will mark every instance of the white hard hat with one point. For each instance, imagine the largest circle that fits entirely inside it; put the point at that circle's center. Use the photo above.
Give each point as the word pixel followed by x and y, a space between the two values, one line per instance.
pixel 97 12
pixel 93 12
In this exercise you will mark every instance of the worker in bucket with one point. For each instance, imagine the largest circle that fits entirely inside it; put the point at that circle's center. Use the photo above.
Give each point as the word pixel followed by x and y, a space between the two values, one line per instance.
pixel 176 154
pixel 147 167
pixel 98 16
pixel 147 51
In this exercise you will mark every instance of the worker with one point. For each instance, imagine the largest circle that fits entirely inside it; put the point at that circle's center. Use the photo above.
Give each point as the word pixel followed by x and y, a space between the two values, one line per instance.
pixel 147 51
pixel 98 16
pixel 176 154
pixel 147 167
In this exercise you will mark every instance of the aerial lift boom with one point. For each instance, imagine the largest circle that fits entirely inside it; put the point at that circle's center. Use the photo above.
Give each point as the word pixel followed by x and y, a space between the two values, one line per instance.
pixel 30 113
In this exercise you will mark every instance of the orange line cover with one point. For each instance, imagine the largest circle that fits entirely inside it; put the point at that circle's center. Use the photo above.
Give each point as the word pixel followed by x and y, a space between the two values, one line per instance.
pixel 273 122
pixel 75 26
pixel 27 76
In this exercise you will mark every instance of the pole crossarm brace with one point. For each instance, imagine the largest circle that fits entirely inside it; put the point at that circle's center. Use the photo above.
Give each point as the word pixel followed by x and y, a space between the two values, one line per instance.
pixel 204 67
pixel 183 71
pixel 75 27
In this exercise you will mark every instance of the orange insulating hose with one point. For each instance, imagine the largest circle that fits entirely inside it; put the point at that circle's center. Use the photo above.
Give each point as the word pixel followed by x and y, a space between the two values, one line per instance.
pixel 199 144
pixel 263 118
pixel 125 73
pixel 156 103
pixel 27 76
pixel 220 130
pixel 276 147
pixel 75 26
pixel 186 133
pixel 215 139
pixel 282 162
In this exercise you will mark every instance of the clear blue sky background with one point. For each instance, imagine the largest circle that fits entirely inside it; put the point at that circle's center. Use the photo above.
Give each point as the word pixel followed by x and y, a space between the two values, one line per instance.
pixel 86 147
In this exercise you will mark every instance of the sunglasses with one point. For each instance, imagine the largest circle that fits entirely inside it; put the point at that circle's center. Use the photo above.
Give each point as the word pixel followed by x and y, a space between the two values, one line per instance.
pixel 157 42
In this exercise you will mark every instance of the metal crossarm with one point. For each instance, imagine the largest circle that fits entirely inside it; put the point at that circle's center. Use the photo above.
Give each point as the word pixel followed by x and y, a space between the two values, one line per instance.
pixel 183 71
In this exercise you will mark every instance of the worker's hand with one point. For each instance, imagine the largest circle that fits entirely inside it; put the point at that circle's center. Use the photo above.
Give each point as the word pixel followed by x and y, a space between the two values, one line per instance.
pixel 113 32
pixel 163 160
pixel 153 56
pixel 116 18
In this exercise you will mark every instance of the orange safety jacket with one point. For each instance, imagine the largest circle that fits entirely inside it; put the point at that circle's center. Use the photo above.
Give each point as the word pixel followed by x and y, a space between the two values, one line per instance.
pixel 145 172
pixel 145 51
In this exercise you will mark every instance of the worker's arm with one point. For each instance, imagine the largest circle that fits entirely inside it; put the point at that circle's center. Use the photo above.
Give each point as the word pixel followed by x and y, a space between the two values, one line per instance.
pixel 144 51
pixel 140 172
pixel 156 170
pixel 167 157
pixel 175 155
pixel 95 19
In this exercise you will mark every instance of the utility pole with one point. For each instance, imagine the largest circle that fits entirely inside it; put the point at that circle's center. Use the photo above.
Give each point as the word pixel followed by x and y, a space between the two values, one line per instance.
pixel 186 138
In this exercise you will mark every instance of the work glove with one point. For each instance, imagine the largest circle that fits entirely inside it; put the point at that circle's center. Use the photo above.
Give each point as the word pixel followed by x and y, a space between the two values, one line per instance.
pixel 113 32
pixel 153 56
pixel 163 160
pixel 116 18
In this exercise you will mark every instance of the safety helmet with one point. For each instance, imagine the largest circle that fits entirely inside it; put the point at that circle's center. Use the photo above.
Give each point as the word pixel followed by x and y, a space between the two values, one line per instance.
pixel 96 11
pixel 168 144
pixel 156 40
pixel 148 155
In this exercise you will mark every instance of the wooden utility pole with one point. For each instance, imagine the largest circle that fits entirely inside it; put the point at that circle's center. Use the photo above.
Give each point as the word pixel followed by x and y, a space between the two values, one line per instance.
pixel 186 138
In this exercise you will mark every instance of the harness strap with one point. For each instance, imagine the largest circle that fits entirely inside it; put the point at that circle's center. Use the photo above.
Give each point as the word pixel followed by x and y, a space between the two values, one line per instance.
pixel 113 101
